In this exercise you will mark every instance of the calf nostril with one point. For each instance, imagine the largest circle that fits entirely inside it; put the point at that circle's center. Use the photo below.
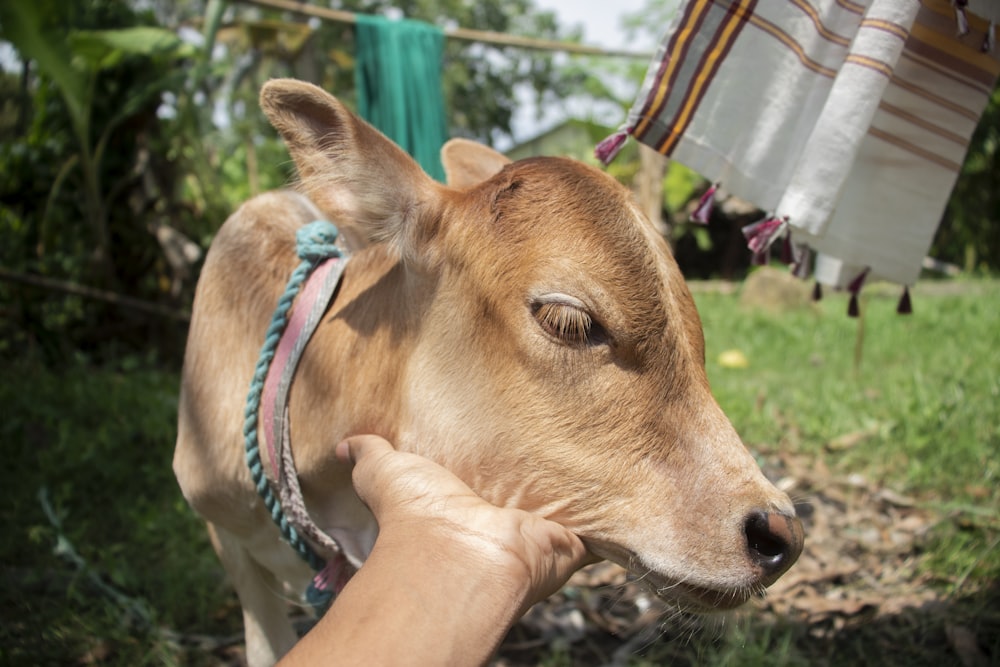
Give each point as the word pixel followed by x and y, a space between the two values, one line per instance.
pixel 774 542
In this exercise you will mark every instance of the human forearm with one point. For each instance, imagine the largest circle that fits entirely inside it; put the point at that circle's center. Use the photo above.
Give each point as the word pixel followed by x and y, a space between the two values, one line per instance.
pixel 417 601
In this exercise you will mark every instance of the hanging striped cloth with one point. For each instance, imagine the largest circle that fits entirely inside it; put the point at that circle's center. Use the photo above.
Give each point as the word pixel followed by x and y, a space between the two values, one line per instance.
pixel 848 120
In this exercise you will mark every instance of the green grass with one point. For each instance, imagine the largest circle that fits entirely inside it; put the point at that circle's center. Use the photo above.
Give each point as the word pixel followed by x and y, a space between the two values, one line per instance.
pixel 928 386
pixel 100 441
pixel 927 390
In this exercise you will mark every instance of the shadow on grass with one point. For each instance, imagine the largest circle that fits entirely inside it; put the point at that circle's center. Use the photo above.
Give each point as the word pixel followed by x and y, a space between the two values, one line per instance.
pixel 961 631
pixel 52 617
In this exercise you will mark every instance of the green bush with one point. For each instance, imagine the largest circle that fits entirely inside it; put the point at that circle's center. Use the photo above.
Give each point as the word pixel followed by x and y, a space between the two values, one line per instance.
pixel 95 446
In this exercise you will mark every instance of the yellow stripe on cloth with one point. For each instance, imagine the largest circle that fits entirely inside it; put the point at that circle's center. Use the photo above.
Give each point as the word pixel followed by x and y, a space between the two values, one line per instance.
pixel 683 38
pixel 737 15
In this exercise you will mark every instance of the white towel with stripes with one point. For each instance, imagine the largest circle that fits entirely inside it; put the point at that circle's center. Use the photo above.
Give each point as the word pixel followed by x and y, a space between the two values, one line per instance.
pixel 850 120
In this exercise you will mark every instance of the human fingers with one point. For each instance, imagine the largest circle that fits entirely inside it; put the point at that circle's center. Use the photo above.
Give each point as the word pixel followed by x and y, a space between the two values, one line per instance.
pixel 382 476
pixel 556 554
pixel 412 495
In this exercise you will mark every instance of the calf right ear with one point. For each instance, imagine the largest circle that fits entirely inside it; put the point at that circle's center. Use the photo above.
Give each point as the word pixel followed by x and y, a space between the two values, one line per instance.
pixel 353 172
pixel 467 163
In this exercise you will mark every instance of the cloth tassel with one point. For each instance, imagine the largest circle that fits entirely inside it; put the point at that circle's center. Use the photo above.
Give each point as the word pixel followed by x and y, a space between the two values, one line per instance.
pixel 853 308
pixel 859 281
pixel 801 262
pixel 960 18
pixel 787 252
pixel 762 258
pixel 318 598
pixel 703 212
pixel 990 41
pixel 905 307
pixel 760 235
pixel 328 583
pixel 607 150
pixel 817 291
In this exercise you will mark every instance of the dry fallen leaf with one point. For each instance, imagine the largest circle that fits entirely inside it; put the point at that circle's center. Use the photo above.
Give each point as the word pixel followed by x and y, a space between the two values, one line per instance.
pixel 733 359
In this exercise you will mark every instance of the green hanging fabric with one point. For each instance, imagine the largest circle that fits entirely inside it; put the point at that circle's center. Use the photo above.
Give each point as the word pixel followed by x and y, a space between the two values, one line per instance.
pixel 398 78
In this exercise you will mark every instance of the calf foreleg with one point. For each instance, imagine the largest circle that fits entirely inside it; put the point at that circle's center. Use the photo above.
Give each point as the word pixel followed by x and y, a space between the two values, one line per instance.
pixel 269 631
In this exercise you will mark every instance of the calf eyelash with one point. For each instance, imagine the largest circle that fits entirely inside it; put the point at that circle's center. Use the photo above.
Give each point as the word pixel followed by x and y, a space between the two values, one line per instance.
pixel 565 322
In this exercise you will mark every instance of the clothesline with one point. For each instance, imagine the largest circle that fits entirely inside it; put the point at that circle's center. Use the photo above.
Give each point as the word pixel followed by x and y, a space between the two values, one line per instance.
pixel 465 34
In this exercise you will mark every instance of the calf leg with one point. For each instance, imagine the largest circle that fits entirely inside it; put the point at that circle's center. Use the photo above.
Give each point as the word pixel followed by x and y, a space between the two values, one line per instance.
pixel 268 630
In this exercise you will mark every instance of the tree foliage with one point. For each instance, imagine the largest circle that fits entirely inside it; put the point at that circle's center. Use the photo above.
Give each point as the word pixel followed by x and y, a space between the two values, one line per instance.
pixel 133 130
pixel 84 174
pixel 970 231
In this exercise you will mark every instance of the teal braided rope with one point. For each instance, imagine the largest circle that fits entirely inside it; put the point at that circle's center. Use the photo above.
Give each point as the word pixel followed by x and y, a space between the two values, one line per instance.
pixel 315 243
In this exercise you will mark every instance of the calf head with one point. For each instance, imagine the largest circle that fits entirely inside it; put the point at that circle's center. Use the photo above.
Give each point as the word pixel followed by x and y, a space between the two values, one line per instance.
pixel 551 354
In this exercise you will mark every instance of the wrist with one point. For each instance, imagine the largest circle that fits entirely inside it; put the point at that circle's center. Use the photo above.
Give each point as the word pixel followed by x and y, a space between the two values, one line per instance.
pixel 460 594
pixel 465 562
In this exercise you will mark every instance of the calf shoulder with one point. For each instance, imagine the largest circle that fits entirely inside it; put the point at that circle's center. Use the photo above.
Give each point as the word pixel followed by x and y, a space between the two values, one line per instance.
pixel 244 274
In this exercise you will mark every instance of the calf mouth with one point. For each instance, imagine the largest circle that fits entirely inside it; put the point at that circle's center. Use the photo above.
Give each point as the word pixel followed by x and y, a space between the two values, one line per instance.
pixel 689 597
pixel 687 594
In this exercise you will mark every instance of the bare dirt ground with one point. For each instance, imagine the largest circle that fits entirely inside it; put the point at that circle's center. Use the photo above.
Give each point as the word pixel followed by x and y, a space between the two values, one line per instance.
pixel 859 587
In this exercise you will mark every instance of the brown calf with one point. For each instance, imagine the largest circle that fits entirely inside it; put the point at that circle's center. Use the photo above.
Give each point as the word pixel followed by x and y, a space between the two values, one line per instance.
pixel 524 326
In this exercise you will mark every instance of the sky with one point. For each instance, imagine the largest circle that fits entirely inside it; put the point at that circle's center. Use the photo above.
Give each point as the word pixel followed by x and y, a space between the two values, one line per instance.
pixel 601 21
pixel 601 24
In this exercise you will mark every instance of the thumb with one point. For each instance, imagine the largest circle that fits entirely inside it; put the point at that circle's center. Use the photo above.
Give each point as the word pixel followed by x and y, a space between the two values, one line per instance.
pixel 356 447
pixel 371 474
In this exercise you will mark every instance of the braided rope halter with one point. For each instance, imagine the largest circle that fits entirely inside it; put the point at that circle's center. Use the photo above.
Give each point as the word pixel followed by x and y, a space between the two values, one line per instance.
pixel 274 476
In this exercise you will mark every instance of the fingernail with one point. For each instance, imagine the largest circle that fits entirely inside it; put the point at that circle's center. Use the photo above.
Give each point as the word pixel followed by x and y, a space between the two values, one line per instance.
pixel 344 452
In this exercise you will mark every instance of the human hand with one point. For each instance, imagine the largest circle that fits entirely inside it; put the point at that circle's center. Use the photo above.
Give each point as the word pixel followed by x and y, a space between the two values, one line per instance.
pixel 421 505
pixel 449 573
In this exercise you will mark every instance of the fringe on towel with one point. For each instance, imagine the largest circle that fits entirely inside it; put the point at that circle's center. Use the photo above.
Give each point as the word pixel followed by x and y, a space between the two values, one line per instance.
pixel 853 308
pixel 905 307
pixel 960 18
pixel 762 234
pixel 608 149
pixel 703 212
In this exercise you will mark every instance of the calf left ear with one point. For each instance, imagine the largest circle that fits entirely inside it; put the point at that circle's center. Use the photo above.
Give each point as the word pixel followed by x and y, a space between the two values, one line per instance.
pixel 353 172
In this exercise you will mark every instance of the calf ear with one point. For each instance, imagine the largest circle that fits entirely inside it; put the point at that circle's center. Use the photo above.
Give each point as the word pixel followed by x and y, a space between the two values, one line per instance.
pixel 353 172
pixel 467 163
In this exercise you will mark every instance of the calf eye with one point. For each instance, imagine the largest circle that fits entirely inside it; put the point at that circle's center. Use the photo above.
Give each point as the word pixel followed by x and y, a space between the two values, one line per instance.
pixel 567 322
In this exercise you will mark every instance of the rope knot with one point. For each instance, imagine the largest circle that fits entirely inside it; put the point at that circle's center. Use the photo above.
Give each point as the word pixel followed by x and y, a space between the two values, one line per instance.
pixel 317 241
